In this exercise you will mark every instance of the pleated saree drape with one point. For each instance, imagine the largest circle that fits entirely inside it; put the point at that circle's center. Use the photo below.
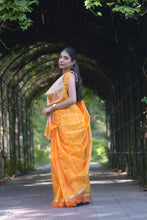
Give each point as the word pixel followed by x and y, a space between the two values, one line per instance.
pixel 71 145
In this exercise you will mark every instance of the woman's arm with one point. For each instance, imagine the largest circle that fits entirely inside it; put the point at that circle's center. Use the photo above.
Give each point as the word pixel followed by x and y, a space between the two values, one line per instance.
pixel 70 101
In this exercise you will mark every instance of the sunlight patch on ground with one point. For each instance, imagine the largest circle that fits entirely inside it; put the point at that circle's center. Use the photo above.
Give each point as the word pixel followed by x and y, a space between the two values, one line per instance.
pixel 95 164
pixel 110 181
pixel 38 184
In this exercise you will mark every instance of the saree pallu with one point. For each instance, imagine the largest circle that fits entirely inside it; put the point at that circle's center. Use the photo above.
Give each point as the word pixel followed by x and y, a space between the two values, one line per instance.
pixel 71 145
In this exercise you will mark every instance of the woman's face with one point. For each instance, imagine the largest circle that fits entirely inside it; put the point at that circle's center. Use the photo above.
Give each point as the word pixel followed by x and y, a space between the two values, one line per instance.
pixel 65 61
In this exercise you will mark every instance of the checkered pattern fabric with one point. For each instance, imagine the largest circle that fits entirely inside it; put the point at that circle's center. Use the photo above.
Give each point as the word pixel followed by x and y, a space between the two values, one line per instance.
pixel 71 145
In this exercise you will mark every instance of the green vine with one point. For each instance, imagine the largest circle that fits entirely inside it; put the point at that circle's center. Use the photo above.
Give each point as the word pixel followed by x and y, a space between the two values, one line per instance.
pixel 16 10
pixel 128 8
pixel 144 99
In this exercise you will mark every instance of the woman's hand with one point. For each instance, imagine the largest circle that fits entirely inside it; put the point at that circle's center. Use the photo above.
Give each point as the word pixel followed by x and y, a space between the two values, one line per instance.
pixel 47 111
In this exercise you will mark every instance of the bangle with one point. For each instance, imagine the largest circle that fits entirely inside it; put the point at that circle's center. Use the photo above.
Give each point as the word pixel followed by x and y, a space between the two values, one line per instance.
pixel 54 106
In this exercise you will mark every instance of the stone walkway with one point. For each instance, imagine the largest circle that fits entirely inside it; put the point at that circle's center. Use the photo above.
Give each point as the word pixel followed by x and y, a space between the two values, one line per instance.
pixel 115 196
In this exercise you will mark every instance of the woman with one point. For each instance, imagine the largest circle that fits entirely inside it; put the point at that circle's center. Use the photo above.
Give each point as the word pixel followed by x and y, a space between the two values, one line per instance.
pixel 68 126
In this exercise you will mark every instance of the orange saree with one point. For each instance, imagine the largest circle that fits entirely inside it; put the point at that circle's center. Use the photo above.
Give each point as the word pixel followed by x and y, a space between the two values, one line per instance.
pixel 71 145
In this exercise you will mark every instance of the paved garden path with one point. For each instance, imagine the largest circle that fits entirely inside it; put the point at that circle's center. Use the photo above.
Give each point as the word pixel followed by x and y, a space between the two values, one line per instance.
pixel 115 196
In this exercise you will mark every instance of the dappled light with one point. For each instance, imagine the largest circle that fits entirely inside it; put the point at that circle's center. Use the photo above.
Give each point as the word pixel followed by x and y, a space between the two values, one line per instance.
pixel 113 195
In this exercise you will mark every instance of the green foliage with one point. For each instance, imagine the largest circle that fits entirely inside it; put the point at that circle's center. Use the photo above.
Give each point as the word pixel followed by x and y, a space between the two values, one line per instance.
pixel 39 122
pixel 16 11
pixel 100 151
pixel 128 8
pixel 41 156
pixel 11 170
pixel 1 175
pixel 144 99
pixel 96 109
pixel 41 144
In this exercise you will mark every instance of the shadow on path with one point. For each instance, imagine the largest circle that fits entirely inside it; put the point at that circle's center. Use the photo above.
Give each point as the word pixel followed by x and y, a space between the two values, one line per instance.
pixel 114 196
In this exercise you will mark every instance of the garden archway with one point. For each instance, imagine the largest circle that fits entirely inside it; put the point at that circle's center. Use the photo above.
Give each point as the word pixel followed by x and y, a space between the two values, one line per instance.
pixel 111 54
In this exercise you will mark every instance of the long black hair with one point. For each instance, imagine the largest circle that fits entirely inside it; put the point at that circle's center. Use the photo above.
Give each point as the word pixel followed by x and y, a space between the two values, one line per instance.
pixel 76 70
